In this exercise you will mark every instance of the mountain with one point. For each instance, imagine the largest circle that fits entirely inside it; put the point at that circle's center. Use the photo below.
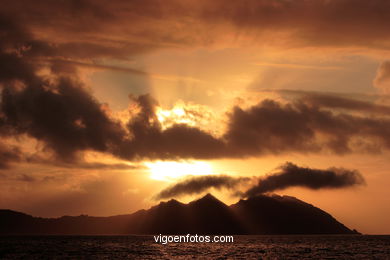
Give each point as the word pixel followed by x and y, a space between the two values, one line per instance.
pixel 285 215
pixel 207 215
pixel 258 215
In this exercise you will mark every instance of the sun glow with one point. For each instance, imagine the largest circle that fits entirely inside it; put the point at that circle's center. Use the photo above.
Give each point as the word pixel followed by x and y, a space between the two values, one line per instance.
pixel 177 115
pixel 167 171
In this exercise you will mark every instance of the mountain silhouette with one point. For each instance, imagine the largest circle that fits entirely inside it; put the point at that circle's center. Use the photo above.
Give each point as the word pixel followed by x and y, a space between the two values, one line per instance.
pixel 285 215
pixel 258 215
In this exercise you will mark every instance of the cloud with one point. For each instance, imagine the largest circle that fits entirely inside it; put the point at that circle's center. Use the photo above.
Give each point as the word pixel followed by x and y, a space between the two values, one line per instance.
pixel 59 65
pixel 339 102
pixel 271 128
pixel 125 28
pixel 86 30
pixel 307 23
pixel 18 177
pixel 55 109
pixel 291 175
pixel 198 184
pixel 286 176
pixel 80 163
pixel 297 66
pixel 8 155
pixel 150 140
pixel 266 128
pixel 382 78
pixel 59 111
pixel 62 115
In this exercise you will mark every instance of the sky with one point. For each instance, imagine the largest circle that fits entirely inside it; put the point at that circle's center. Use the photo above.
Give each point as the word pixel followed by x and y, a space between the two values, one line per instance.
pixel 108 107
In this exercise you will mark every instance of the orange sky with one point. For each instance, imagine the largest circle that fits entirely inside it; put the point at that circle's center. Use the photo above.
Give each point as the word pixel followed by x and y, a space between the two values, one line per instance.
pixel 103 105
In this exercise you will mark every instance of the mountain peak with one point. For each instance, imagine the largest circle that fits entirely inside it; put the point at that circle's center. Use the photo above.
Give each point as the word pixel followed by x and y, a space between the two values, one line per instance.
pixel 173 201
pixel 208 200
pixel 170 203
pixel 208 196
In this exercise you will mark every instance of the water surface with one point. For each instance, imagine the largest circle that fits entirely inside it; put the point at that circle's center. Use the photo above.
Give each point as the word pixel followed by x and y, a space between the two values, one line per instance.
pixel 244 247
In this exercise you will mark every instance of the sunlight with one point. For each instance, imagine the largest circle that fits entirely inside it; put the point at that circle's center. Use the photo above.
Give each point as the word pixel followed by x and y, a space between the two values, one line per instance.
pixel 168 171
pixel 177 115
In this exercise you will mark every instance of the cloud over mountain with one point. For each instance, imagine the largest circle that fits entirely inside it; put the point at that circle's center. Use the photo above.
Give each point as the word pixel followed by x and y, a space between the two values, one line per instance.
pixel 291 175
pixel 286 176
pixel 199 184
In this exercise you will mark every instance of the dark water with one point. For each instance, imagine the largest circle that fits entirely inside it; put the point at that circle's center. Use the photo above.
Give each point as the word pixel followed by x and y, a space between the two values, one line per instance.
pixel 243 247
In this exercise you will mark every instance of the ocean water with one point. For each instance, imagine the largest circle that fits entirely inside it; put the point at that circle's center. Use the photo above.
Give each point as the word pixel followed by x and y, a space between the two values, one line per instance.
pixel 243 247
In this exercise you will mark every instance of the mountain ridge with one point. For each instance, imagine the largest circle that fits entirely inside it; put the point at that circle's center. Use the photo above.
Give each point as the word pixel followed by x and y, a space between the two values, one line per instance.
pixel 207 215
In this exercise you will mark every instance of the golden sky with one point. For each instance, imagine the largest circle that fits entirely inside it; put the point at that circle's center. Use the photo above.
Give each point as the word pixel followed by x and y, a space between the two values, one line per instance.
pixel 108 105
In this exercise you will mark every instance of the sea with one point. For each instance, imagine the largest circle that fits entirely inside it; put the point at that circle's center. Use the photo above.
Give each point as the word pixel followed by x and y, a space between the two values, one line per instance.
pixel 243 247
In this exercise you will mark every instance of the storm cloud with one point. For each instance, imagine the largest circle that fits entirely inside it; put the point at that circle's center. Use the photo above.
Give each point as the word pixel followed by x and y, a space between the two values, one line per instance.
pixel 291 175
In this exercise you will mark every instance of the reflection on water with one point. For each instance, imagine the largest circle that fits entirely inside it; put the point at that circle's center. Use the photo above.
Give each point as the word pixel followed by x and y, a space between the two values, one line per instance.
pixel 244 247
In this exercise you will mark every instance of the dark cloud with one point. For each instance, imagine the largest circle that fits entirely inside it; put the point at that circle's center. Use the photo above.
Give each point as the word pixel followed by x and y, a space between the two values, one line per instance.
pixel 291 175
pixel 149 140
pixel 272 127
pixel 60 65
pixel 85 30
pixel 339 102
pixel 80 163
pixel 59 111
pixel 102 166
pixel 56 110
pixel 266 128
pixel 199 184
pixel 286 176
pixel 93 28
pixel 64 116
pixel 315 23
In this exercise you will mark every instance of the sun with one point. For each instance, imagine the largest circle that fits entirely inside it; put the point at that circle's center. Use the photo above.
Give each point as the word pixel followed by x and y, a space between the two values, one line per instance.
pixel 171 170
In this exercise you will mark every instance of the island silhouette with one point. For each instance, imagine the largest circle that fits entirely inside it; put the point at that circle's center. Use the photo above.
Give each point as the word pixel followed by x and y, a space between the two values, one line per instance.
pixel 260 215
